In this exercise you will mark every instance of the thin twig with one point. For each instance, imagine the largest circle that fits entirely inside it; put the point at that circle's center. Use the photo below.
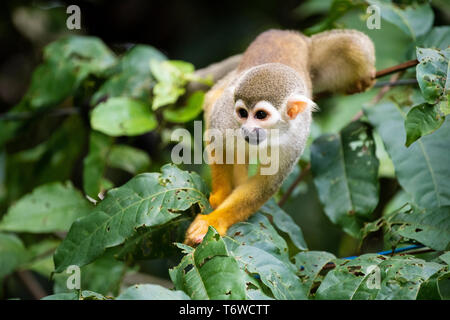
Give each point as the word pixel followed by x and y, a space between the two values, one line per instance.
pixel 33 286
pixel 401 82
pixel 399 67
pixel 294 184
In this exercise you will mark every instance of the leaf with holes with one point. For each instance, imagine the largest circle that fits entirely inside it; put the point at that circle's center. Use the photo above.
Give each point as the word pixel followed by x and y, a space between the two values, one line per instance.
pixel 147 200
pixel 430 227
pixel 422 169
pixel 433 75
pixel 343 281
pixel 210 271
pixel 261 251
pixel 309 264
pixel 422 120
pixel 402 277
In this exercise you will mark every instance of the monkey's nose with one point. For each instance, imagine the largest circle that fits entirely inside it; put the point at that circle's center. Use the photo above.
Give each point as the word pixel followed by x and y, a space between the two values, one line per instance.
pixel 254 136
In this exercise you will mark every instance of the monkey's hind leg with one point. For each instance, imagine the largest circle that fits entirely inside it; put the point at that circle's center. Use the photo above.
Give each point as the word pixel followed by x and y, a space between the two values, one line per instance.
pixel 245 199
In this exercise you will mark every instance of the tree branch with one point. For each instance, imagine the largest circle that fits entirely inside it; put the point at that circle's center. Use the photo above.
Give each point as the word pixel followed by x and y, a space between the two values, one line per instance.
pixel 399 67
pixel 294 184
pixel 30 282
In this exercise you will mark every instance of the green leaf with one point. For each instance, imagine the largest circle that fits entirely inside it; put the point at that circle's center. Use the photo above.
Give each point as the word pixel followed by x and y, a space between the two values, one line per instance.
pixel 414 20
pixel 437 38
pixel 83 52
pixel 63 296
pixel 422 120
pixel 75 295
pixel 336 10
pixel 345 170
pixel 261 251
pixel 436 287
pixel 50 161
pixel 147 200
pixel 430 227
pixel 128 158
pixel 259 233
pixel 210 272
pixel 94 164
pixel 123 116
pixel 41 257
pixel 276 274
pixel 445 257
pixel 403 276
pixel 188 112
pixel 151 292
pixel 133 78
pixel 284 223
pixel 51 83
pixel 12 254
pixel 67 62
pixel 309 265
pixel 343 281
pixel 433 75
pixel 422 169
pixel 155 242
pixel 172 76
pixel 94 274
pixel 102 154
pixel 49 208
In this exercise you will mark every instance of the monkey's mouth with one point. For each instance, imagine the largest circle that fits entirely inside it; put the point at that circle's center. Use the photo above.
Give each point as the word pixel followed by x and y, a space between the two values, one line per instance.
pixel 255 137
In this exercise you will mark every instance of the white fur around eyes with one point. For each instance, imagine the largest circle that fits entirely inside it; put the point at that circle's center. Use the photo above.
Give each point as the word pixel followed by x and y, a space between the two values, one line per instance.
pixel 269 108
pixel 239 104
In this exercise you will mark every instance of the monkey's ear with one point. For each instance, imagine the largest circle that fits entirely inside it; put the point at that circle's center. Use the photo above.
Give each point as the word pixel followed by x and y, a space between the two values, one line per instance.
pixel 298 103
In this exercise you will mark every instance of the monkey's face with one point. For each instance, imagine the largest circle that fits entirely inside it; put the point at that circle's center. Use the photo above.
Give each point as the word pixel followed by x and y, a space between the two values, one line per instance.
pixel 256 121
pixel 268 97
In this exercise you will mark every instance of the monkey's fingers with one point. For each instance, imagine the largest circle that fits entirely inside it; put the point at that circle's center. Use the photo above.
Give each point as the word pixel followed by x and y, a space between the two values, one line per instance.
pixel 361 85
pixel 196 231
pixel 199 227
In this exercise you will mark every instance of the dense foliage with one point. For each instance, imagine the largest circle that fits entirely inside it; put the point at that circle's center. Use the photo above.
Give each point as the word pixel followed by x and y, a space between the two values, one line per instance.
pixel 96 102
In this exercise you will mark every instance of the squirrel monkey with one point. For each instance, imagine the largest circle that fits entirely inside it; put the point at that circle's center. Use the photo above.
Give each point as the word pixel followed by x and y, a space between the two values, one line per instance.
pixel 271 88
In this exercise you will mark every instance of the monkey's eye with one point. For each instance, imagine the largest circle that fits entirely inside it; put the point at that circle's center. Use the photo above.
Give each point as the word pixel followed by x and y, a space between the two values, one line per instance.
pixel 242 113
pixel 261 115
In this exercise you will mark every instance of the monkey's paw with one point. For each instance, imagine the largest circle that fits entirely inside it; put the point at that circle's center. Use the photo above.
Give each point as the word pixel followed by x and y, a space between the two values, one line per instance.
pixel 362 84
pixel 199 227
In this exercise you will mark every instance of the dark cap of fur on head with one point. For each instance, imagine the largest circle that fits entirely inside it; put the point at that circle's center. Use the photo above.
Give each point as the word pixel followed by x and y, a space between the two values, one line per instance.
pixel 272 82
